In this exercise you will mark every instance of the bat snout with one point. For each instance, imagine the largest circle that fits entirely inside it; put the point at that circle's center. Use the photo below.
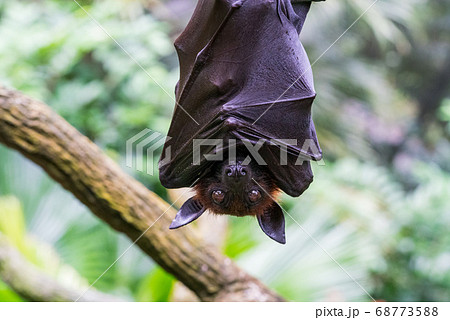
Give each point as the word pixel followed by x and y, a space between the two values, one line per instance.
pixel 236 174
pixel 236 171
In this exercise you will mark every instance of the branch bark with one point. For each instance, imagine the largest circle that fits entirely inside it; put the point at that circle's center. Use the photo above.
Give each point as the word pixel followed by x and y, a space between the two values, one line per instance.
pixel 75 162
pixel 34 285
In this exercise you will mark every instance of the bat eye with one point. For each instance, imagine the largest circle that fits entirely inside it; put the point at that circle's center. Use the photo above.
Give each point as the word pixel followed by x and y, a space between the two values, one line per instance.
pixel 254 195
pixel 218 196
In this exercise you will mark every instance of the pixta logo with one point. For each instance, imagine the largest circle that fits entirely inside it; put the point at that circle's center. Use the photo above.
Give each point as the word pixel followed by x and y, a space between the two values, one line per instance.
pixel 141 147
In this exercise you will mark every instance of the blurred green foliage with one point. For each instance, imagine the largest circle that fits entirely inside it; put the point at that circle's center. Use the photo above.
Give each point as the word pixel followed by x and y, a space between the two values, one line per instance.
pixel 378 211
pixel 57 234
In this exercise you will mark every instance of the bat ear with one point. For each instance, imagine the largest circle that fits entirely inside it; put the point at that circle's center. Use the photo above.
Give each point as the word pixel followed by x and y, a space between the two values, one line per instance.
pixel 189 211
pixel 272 223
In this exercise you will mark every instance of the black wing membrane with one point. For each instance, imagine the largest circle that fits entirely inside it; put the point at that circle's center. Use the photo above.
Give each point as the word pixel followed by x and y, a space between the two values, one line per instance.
pixel 244 75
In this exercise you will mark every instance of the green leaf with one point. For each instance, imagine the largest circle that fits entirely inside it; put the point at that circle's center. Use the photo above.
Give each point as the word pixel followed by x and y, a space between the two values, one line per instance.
pixel 156 286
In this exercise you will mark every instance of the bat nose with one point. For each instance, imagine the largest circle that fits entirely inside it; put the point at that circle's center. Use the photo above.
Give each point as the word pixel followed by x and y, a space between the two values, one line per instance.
pixel 236 171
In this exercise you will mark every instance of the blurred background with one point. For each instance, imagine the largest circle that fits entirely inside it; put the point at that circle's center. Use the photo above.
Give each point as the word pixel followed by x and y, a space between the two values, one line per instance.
pixel 380 206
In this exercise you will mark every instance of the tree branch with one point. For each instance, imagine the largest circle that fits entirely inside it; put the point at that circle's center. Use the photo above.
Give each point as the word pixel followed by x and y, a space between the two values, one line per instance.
pixel 79 165
pixel 34 285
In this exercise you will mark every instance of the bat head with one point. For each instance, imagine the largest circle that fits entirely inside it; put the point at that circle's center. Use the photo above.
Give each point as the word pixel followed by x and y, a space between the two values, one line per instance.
pixel 236 189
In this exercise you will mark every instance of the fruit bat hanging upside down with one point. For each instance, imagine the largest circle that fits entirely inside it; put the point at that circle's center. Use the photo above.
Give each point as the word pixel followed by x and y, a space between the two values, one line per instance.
pixel 242 128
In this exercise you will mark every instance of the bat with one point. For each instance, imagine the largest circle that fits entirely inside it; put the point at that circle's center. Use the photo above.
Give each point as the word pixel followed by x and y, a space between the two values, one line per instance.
pixel 242 129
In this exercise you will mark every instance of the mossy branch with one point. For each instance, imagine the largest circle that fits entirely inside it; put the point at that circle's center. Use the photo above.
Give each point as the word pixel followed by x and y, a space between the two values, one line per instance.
pixel 75 162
